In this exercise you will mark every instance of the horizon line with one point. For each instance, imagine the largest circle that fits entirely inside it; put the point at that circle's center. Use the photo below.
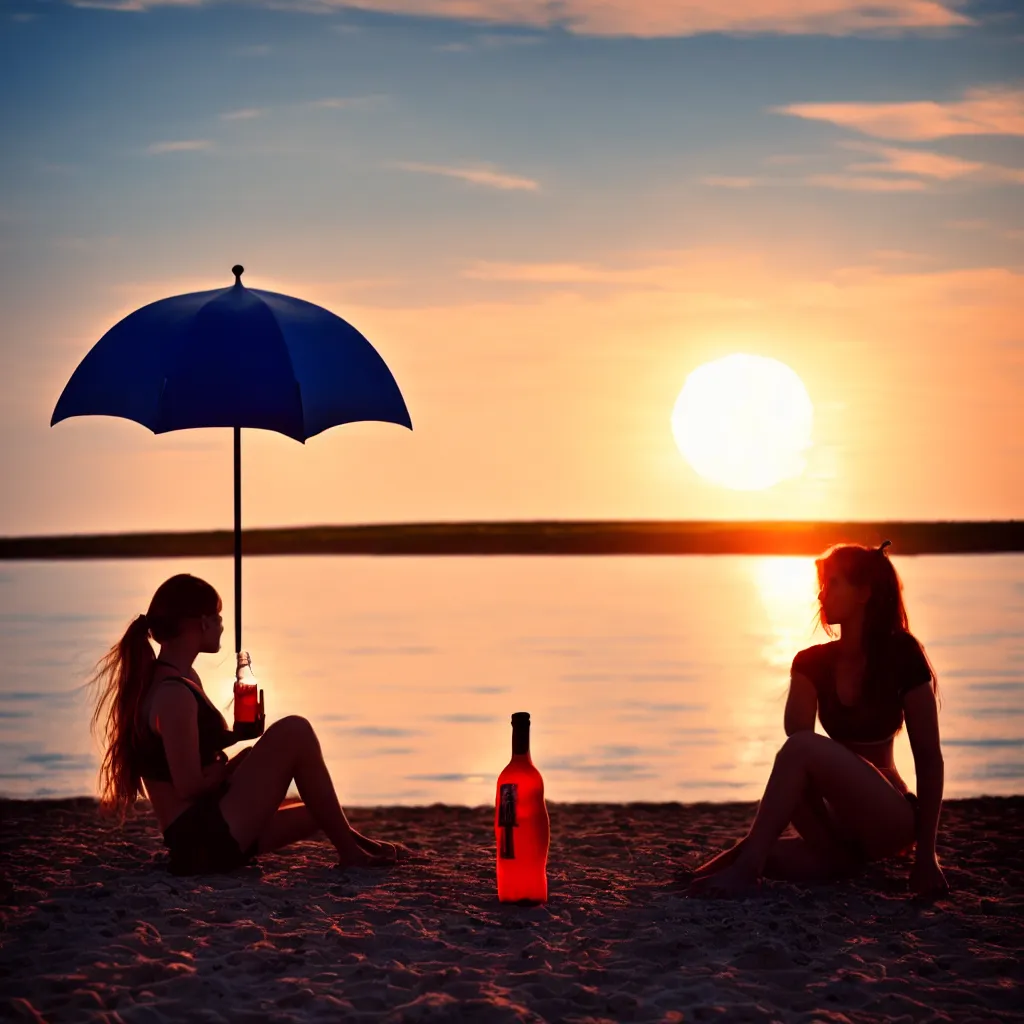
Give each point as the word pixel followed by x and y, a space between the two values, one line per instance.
pixel 537 537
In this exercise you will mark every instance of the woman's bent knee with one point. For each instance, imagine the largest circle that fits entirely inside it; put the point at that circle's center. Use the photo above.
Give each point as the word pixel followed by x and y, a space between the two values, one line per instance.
pixel 293 728
pixel 798 745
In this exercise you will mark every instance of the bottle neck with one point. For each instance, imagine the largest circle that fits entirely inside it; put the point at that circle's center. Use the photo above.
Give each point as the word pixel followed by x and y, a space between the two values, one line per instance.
pixel 243 668
pixel 521 740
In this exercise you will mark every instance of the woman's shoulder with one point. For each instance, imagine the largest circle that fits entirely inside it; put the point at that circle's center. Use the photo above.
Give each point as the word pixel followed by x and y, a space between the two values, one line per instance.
pixel 172 690
pixel 908 661
pixel 903 644
pixel 810 660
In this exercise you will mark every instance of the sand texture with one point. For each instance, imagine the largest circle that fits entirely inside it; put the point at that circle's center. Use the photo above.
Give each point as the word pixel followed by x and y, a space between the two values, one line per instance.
pixel 94 927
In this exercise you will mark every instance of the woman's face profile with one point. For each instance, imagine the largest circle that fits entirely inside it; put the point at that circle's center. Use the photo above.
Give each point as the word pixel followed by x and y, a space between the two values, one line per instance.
pixel 839 598
pixel 212 629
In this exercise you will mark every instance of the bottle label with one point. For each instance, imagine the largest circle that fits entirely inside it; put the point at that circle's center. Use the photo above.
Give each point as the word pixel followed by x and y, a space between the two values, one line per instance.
pixel 507 819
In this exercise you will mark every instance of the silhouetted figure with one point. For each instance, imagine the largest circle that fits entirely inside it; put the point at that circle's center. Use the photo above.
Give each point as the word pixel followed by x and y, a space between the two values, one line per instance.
pixel 162 732
pixel 841 792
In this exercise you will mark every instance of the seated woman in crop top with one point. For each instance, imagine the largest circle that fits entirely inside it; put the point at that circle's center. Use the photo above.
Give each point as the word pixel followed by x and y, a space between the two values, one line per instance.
pixel 841 792
pixel 162 732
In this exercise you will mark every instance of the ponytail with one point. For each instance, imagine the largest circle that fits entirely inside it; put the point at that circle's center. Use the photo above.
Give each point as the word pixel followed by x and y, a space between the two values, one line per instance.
pixel 121 679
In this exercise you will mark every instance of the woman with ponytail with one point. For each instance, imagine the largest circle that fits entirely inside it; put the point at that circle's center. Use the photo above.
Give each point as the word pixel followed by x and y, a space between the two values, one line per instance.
pixel 841 792
pixel 162 733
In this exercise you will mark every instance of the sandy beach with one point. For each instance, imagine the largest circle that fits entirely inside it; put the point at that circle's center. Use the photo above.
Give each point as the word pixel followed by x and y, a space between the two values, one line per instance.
pixel 95 928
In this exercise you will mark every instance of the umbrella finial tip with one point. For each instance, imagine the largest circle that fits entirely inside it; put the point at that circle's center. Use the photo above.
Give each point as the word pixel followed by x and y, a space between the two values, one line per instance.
pixel 238 270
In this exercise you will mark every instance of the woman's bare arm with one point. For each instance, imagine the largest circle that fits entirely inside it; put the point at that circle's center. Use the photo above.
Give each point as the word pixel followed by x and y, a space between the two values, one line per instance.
pixel 922 718
pixel 176 719
pixel 801 705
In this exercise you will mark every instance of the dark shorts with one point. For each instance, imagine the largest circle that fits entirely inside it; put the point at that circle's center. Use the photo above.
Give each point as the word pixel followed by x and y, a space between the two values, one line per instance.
pixel 200 842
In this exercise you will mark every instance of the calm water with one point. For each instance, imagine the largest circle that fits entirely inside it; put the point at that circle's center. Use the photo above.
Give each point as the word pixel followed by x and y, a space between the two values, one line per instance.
pixel 647 678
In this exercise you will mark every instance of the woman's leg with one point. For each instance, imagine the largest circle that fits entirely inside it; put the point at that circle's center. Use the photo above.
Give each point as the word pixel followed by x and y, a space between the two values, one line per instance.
pixel 289 824
pixel 293 822
pixel 288 750
pixel 817 854
pixel 873 812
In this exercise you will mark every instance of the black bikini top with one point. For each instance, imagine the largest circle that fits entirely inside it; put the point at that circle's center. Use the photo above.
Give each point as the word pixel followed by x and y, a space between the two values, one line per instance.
pixel 150 759
pixel 878 715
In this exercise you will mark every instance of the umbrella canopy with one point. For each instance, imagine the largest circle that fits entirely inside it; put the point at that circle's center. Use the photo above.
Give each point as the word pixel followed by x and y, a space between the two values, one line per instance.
pixel 234 357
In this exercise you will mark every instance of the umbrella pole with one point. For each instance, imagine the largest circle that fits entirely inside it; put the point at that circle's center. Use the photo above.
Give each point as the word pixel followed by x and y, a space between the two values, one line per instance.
pixel 238 539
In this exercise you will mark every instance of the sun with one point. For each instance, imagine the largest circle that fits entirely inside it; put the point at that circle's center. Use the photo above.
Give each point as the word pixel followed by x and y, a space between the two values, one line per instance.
pixel 744 422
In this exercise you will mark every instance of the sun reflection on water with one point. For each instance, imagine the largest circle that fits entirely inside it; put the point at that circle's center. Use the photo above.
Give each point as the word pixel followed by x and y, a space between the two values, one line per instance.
pixel 787 587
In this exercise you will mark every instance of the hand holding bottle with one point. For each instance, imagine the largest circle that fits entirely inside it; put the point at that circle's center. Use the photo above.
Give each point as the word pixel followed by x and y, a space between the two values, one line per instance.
pixel 250 714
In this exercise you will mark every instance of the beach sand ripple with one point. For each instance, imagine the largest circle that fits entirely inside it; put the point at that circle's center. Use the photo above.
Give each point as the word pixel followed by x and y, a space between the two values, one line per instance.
pixel 92 927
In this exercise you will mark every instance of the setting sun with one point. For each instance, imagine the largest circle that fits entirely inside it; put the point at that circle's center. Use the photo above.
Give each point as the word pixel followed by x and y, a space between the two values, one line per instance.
pixel 744 422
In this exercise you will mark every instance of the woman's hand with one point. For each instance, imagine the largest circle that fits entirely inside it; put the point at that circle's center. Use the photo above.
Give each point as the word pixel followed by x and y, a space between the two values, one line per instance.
pixel 237 760
pixel 926 878
pixel 216 772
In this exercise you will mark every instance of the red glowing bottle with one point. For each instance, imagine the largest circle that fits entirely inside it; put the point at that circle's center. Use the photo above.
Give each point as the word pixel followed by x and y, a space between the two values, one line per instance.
pixel 521 827
pixel 250 717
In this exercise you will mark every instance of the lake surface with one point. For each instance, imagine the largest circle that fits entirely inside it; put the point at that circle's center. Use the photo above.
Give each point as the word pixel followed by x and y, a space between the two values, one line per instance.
pixel 648 678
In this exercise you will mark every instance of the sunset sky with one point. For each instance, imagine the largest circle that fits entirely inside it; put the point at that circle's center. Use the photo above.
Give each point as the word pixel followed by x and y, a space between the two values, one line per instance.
pixel 544 216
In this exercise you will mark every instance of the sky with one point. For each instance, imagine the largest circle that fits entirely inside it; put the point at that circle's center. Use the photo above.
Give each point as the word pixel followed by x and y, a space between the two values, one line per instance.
pixel 544 216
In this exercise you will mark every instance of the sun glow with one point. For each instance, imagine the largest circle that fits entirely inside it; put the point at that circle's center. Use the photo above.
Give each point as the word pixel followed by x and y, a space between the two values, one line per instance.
pixel 788 589
pixel 744 422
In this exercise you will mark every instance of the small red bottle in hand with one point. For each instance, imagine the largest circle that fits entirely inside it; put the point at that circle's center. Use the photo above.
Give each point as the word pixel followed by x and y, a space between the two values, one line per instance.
pixel 521 827
pixel 249 714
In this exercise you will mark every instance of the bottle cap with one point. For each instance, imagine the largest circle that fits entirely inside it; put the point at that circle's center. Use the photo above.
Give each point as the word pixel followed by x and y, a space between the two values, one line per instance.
pixel 521 718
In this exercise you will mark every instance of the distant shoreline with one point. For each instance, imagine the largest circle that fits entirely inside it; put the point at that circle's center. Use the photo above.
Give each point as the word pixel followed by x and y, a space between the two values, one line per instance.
pixel 541 537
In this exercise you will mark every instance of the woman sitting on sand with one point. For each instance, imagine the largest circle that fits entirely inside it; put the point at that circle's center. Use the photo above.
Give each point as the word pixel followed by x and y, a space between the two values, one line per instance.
pixel 162 731
pixel 841 792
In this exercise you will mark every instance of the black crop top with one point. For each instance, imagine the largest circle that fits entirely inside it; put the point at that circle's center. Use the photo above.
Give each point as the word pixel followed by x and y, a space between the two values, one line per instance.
pixel 872 719
pixel 150 759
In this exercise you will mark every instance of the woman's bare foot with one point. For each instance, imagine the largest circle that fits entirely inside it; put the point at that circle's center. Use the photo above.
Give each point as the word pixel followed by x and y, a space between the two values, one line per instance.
pixel 720 861
pixel 732 881
pixel 357 856
pixel 384 848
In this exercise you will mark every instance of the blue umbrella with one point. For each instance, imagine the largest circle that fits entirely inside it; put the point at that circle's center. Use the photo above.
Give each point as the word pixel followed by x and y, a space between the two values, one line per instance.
pixel 234 357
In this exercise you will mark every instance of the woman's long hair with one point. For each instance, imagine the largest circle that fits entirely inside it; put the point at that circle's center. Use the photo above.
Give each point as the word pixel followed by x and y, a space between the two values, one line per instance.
pixel 123 675
pixel 885 614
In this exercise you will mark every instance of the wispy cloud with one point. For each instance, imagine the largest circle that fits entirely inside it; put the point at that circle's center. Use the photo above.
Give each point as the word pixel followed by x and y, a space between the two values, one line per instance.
pixel 653 18
pixel 246 114
pixel 987 227
pixel 840 180
pixel 729 181
pixel 491 41
pixel 865 183
pixel 562 273
pixel 346 102
pixel 924 164
pixel 981 112
pixel 788 159
pixel 893 160
pixel 133 5
pixel 884 168
pixel 327 103
pixel 180 146
pixel 716 279
pixel 675 272
pixel 488 176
